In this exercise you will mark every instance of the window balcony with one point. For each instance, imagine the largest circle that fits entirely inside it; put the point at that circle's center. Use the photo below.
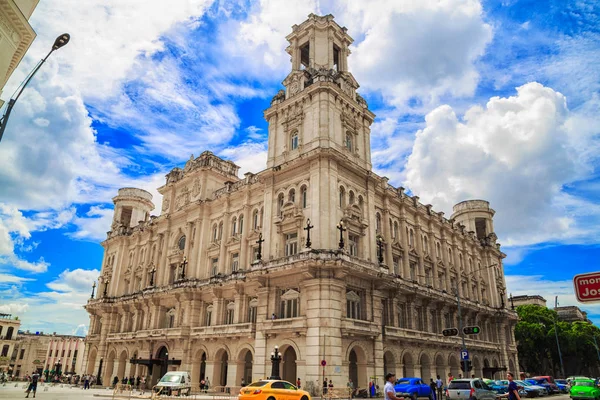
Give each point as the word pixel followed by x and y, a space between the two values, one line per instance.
pixel 246 329
pixel 358 327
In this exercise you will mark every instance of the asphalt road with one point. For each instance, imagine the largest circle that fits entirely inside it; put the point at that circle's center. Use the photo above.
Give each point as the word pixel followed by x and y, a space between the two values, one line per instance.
pixel 65 393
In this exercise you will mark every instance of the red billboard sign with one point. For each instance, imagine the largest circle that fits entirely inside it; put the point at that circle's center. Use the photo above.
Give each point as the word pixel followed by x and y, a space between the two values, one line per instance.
pixel 587 287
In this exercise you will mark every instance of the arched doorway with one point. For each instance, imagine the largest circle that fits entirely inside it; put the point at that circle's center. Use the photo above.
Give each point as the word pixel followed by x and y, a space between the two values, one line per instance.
pixel 289 365
pixel 357 367
pixel 477 367
pixel 389 363
pixel 440 367
pixel 454 365
pixel 425 362
pixel 91 361
pixel 248 367
pixel 486 371
pixel 159 370
pixel 408 368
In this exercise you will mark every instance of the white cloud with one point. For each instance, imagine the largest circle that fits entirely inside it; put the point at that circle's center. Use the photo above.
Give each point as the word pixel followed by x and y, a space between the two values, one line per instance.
pixel 249 156
pixel 518 153
pixel 60 308
pixel 14 308
pixel 418 49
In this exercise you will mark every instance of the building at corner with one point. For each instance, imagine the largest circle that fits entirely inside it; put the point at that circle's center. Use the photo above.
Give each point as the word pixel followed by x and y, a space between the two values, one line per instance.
pixel 16 35
pixel 226 272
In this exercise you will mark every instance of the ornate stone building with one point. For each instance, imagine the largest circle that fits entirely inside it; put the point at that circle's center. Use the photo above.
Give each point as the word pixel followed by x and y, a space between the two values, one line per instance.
pixel 226 273
pixel 16 35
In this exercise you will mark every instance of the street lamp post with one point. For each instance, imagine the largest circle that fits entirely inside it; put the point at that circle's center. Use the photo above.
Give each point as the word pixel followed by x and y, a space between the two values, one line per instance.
pixel 58 43
pixel 275 360
pixel 93 289
pixel 341 228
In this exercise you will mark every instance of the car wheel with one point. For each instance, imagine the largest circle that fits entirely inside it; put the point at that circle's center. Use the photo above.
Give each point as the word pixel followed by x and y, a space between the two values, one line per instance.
pixel 304 398
pixel 271 398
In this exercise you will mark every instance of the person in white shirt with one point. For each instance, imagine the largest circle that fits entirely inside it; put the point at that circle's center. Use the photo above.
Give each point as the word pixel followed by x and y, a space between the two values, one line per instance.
pixel 389 393
pixel 439 384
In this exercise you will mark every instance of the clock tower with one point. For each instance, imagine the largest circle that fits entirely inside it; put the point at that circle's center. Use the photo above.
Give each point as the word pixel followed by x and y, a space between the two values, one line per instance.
pixel 319 108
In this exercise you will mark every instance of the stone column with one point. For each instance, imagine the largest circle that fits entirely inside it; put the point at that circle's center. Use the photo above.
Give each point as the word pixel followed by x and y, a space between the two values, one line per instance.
pixel 387 235
pixel 404 243
pixel 244 262
pixel 419 246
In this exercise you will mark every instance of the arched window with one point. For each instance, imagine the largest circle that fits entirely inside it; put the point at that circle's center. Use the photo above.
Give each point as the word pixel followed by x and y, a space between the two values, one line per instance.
pixel 378 223
pixel 450 259
pixel 304 196
pixel 208 318
pixel 438 249
pixel 255 219
pixel 391 227
pixel 425 245
pixel 230 313
pixel 220 230
pixel 279 203
pixel 342 197
pixel 360 203
pixel 241 225
pixel 294 140
pixel 170 318
pixel 233 226
pixel 349 144
pixel 215 233
pixel 181 243
pixel 411 238
pixel 292 196
pixel 351 197
pixel 396 231
pixel 460 261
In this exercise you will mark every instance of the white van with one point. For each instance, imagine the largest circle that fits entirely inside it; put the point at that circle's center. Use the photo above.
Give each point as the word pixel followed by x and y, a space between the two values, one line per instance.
pixel 175 383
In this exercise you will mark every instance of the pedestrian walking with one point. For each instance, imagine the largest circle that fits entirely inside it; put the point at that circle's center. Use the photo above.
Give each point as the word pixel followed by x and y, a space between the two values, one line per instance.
pixel 433 388
pixel 298 383
pixel 389 392
pixel 243 383
pixel 202 384
pixel 86 382
pixel 513 391
pixel 324 386
pixel 329 388
pixel 33 384
pixel 439 385
pixel 143 385
pixel 450 378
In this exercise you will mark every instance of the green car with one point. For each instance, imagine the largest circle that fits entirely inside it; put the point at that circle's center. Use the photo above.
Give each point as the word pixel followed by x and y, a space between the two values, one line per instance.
pixel 584 389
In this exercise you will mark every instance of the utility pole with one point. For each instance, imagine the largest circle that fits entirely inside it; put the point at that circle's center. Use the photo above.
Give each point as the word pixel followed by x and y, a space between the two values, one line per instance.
pixel 460 330
pixel 562 368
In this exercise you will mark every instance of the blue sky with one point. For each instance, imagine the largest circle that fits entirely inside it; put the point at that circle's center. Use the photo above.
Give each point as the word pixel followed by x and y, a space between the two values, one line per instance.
pixel 474 99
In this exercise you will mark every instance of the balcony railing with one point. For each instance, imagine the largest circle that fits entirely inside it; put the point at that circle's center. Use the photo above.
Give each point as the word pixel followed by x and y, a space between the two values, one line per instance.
pixel 229 330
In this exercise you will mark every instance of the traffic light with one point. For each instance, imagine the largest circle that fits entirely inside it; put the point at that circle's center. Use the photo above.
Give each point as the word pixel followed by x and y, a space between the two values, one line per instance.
pixel 471 330
pixel 450 332
pixel 469 366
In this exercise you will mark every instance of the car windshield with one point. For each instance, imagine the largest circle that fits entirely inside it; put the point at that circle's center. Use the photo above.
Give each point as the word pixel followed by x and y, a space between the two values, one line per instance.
pixel 460 385
pixel 402 381
pixel 584 383
pixel 258 384
pixel 171 378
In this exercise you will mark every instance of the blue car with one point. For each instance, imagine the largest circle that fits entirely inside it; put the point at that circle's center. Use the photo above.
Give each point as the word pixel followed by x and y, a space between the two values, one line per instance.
pixel 413 388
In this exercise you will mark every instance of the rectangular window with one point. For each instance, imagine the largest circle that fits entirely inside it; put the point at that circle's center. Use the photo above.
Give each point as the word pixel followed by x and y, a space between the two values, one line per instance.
pixel 254 253
pixel 252 315
pixel 402 316
pixel 214 270
pixel 74 355
pixel 413 271
pixel 396 264
pixel 420 321
pixel 294 141
pixel 208 320
pixel 447 320
pixel 288 308
pixel 56 353
pixel 22 354
pixel 229 317
pixel 353 245
pixel 428 280
pixel 291 244
pixel 69 354
pixel 235 262
pixel 63 354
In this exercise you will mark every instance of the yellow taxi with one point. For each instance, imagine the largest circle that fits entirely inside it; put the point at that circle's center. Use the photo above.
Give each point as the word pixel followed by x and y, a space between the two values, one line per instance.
pixel 272 390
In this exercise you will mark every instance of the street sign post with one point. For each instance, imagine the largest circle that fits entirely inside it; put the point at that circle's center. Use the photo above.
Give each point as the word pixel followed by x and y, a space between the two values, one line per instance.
pixel 464 355
pixel 587 287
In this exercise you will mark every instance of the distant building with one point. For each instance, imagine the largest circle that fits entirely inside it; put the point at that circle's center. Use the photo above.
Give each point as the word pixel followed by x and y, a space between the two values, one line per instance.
pixel 40 352
pixel 526 299
pixel 571 314
pixel 16 35
pixel 9 328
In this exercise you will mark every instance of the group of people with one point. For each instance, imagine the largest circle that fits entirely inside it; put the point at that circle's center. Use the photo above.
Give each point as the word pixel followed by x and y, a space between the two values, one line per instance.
pixel 205 384
pixel 138 383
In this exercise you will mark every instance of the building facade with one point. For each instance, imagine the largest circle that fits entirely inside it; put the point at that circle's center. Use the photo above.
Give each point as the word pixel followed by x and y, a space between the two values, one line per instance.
pixel 9 329
pixel 525 299
pixel 572 314
pixel 315 254
pixel 48 352
pixel 16 35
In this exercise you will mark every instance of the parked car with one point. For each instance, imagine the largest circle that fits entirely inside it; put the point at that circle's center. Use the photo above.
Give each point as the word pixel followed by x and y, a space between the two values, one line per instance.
pixel 272 389
pixel 532 390
pixel 584 389
pixel 562 384
pixel 174 383
pixel 546 379
pixel 544 383
pixel 496 386
pixel 469 389
pixel 413 388
pixel 521 390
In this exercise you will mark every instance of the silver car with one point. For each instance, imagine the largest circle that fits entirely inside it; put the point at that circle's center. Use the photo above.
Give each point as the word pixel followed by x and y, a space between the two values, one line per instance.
pixel 469 389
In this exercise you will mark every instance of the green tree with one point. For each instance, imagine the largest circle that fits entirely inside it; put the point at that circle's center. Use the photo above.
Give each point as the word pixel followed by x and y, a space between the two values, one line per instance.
pixel 536 343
